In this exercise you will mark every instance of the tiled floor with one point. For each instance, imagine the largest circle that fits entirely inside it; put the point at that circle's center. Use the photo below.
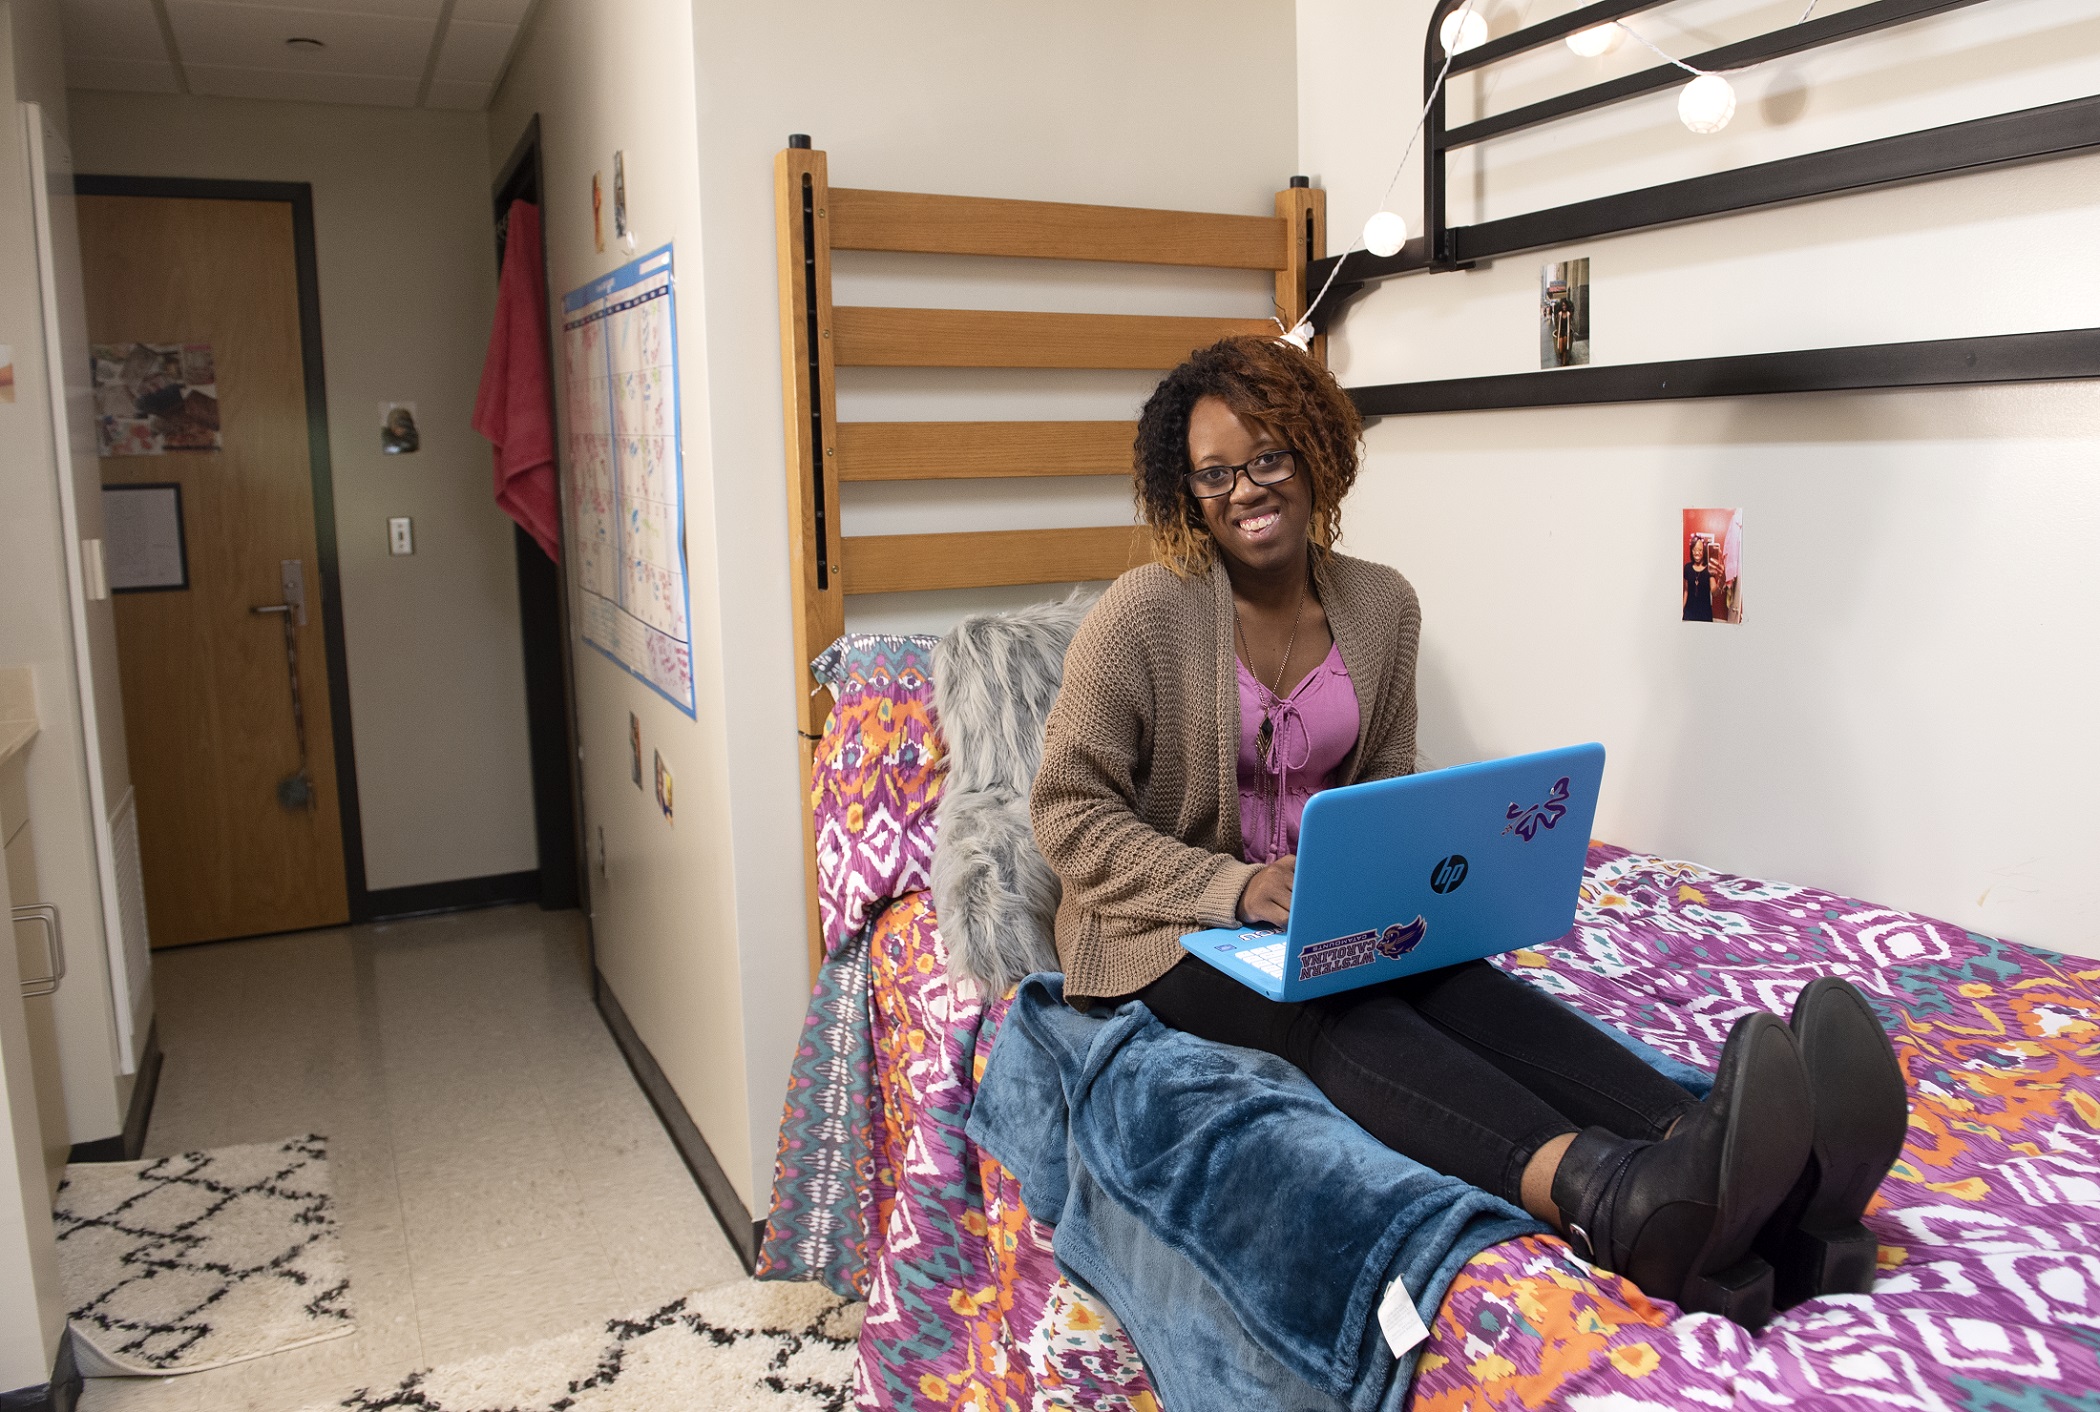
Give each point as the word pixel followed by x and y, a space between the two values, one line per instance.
pixel 499 1176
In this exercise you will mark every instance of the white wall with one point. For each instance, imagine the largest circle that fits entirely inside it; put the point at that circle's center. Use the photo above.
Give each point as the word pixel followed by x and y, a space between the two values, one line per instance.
pixel 700 925
pixel 605 78
pixel 406 249
pixel 1904 714
pixel 35 632
pixel 36 628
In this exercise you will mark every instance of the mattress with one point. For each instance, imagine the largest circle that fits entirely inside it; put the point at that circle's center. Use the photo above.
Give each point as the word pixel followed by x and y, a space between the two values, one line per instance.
pixel 1989 1294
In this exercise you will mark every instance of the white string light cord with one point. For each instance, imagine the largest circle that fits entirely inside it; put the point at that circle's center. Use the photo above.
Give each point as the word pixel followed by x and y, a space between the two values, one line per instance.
pixel 1390 227
pixel 1704 105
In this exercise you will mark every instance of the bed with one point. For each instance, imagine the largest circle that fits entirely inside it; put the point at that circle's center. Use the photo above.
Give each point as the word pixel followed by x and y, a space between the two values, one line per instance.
pixel 1990 1225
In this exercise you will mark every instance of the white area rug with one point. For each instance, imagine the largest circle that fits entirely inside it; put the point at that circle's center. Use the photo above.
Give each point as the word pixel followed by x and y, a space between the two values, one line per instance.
pixel 752 1346
pixel 197 1261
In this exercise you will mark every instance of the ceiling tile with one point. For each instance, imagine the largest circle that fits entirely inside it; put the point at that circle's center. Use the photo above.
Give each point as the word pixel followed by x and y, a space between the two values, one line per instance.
pixel 383 90
pixel 504 12
pixel 253 37
pixel 402 9
pixel 458 97
pixel 112 29
pixel 123 75
pixel 474 52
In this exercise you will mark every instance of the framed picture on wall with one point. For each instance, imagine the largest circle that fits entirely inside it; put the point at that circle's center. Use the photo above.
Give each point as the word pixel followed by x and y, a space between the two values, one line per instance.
pixel 1710 553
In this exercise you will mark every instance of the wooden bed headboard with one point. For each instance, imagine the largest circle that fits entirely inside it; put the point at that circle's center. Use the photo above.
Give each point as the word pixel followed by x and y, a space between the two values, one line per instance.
pixel 816 338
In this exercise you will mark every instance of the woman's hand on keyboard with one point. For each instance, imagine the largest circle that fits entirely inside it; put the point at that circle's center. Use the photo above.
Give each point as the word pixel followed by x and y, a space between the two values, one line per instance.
pixel 1267 896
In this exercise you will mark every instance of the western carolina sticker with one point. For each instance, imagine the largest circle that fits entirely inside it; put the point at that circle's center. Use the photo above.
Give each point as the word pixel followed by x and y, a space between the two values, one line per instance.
pixel 1395 942
pixel 1344 953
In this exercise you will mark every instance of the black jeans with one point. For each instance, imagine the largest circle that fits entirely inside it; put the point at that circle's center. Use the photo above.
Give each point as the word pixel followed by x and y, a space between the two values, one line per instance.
pixel 1466 1070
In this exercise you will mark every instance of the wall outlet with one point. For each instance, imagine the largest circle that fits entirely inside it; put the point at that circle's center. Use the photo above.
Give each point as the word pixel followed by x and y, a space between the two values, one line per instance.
pixel 401 535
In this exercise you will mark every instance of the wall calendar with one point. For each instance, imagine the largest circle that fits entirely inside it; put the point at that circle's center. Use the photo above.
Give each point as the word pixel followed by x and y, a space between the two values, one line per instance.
pixel 619 349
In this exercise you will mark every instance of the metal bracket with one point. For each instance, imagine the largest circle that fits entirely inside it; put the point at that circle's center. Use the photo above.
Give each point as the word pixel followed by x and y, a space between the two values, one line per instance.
pixel 291 576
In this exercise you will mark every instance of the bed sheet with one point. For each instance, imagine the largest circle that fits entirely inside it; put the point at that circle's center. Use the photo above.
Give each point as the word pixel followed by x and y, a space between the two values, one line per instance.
pixel 1990 1294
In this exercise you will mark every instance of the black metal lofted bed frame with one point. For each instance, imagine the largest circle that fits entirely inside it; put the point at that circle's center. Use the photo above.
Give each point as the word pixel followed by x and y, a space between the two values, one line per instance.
pixel 2054 130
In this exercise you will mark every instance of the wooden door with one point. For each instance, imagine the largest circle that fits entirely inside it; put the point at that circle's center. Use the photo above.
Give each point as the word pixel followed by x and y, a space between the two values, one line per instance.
pixel 228 849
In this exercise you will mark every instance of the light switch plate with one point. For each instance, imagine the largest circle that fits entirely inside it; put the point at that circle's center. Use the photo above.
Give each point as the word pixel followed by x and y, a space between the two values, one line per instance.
pixel 401 535
pixel 94 570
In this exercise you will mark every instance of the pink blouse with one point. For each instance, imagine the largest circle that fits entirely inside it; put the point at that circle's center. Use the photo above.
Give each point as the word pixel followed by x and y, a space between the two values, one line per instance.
pixel 1315 729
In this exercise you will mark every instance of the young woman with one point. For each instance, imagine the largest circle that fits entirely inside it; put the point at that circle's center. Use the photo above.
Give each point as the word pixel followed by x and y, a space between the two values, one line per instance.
pixel 1699 584
pixel 1208 695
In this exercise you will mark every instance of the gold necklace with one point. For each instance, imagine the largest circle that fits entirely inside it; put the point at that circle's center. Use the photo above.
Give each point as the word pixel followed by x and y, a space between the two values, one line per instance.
pixel 1265 733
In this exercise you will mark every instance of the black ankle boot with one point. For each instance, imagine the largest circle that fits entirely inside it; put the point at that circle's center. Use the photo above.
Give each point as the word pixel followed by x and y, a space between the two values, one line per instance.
pixel 1815 1242
pixel 1677 1217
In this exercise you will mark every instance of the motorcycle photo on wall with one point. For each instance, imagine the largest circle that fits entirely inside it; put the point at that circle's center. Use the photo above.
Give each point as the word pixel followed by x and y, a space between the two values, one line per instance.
pixel 1564 314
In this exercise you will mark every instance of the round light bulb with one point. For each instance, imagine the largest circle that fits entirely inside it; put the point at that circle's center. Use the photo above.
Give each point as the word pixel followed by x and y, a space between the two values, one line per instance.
pixel 1597 40
pixel 1462 30
pixel 1385 233
pixel 1707 103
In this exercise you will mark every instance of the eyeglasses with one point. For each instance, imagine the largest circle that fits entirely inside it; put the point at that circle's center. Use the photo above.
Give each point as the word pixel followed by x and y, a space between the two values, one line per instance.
pixel 1269 468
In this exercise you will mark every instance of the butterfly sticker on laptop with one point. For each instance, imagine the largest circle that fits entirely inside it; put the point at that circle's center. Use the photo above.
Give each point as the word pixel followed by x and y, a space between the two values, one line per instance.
pixel 1526 823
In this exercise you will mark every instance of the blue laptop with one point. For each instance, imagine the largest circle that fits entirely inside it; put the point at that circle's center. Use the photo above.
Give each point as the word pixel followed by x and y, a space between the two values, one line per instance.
pixel 1412 874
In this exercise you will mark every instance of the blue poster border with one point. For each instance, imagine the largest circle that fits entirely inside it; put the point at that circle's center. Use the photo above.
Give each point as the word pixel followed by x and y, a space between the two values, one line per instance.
pixel 603 287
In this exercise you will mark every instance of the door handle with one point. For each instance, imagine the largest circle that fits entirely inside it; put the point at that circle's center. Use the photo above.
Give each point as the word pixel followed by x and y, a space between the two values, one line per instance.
pixel 54 949
pixel 295 791
pixel 291 584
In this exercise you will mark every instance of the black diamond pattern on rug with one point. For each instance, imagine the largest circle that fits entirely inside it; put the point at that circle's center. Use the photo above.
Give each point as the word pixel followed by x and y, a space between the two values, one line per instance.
pixel 743 1347
pixel 197 1261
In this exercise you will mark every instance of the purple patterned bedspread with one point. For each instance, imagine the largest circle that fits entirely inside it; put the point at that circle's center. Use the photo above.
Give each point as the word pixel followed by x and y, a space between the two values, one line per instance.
pixel 1990 1226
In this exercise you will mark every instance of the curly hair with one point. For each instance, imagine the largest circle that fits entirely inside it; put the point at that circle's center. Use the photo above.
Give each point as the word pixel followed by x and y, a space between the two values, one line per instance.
pixel 1264 381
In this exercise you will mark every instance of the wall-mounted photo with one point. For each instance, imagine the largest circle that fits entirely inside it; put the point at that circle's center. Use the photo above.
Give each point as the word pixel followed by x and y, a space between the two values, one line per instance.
pixel 1564 314
pixel 1711 553
pixel 153 398
pixel 397 428
pixel 664 799
pixel 7 373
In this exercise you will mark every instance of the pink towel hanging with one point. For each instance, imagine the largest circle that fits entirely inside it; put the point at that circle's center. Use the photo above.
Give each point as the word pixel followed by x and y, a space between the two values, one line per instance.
pixel 515 408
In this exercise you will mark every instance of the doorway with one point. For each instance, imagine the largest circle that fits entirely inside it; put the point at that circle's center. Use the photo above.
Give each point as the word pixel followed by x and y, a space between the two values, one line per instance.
pixel 550 704
pixel 204 312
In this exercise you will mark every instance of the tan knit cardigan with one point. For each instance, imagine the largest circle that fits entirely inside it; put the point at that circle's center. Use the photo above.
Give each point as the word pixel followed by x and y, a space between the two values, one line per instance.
pixel 1136 807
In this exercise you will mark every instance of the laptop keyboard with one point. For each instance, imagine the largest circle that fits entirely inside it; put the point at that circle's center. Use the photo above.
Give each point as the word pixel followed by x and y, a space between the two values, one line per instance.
pixel 1266 959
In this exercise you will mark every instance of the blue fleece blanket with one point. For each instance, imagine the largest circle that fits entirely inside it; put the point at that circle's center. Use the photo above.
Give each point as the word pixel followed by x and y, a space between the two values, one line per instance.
pixel 1241 1227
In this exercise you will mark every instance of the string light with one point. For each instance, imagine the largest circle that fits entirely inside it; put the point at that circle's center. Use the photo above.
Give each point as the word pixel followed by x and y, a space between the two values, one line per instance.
pixel 1462 30
pixel 1596 41
pixel 1385 233
pixel 1300 335
pixel 1706 104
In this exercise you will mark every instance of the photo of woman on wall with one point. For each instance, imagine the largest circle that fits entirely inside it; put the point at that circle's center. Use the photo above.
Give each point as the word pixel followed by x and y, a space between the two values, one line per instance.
pixel 1711 554
pixel 1699 582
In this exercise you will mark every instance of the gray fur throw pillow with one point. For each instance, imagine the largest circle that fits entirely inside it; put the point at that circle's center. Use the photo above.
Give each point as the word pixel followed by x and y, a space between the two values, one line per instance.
pixel 994 679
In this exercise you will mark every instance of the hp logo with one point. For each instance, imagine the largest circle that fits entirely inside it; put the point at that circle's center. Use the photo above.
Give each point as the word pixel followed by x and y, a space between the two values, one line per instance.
pixel 1448 873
